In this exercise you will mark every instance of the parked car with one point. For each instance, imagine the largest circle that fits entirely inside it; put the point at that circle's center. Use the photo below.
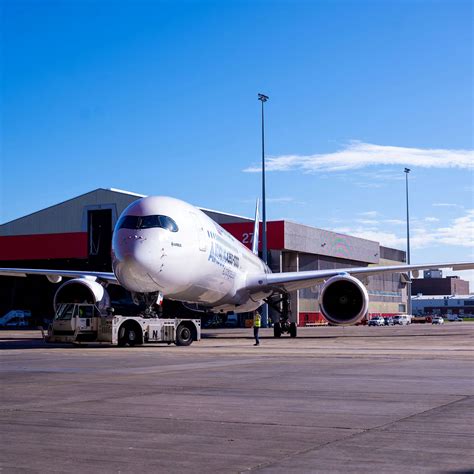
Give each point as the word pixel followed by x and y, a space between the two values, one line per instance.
pixel 388 321
pixel 377 321
pixel 455 317
pixel 401 319
pixel 437 320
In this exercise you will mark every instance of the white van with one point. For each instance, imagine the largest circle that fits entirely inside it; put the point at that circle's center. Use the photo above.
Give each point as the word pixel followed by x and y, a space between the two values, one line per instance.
pixel 402 319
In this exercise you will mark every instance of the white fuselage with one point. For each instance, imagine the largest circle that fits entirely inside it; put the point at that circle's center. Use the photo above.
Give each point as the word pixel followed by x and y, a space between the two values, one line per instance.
pixel 164 244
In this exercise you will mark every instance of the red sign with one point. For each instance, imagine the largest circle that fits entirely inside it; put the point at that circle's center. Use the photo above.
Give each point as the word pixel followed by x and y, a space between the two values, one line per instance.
pixel 243 231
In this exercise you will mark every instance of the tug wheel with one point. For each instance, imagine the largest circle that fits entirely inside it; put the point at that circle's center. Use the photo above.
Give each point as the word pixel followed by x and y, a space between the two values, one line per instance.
pixel 184 335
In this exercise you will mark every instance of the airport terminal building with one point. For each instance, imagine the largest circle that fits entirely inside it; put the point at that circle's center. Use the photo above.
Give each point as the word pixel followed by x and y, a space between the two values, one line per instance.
pixel 76 235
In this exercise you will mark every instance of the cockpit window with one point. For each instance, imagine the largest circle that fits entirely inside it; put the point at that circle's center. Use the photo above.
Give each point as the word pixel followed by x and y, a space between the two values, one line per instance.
pixel 168 223
pixel 147 222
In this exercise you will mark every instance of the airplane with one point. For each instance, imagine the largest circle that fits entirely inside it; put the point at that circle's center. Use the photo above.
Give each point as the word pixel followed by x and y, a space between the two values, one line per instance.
pixel 163 247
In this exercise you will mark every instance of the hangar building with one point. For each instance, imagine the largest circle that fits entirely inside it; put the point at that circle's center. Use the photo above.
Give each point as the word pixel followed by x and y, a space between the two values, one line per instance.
pixel 76 234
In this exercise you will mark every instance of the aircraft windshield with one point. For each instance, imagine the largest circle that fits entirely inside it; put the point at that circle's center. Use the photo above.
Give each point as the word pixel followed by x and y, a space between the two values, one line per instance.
pixel 147 222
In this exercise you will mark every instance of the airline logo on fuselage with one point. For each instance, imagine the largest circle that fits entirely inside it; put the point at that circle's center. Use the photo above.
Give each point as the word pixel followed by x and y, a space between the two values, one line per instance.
pixel 222 256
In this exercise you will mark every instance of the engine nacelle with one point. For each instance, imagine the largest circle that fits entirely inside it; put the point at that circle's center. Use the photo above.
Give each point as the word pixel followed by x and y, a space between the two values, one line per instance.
pixel 82 290
pixel 344 300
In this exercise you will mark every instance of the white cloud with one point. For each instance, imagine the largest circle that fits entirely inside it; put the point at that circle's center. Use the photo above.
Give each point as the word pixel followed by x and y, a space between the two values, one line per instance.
pixel 459 233
pixel 394 221
pixel 387 239
pixel 446 204
pixel 431 219
pixel 367 221
pixel 368 213
pixel 357 154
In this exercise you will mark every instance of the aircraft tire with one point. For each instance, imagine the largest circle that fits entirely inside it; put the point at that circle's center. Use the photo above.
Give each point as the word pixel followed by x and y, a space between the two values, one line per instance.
pixel 292 329
pixel 277 330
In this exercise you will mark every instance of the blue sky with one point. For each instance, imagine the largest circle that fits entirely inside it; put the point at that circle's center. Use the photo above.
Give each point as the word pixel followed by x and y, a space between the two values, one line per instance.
pixel 161 98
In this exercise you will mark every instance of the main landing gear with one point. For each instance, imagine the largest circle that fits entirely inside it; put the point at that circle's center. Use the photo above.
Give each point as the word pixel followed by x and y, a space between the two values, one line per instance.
pixel 283 325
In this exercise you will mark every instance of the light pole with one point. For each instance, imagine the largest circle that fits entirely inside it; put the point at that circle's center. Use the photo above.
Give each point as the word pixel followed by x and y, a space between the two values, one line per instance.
pixel 407 170
pixel 263 98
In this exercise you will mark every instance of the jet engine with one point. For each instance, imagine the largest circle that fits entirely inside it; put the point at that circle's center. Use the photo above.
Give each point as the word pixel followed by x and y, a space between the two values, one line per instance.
pixel 82 290
pixel 343 300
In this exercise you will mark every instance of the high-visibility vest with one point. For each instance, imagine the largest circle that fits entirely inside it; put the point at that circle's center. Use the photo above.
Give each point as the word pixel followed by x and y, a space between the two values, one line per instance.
pixel 257 320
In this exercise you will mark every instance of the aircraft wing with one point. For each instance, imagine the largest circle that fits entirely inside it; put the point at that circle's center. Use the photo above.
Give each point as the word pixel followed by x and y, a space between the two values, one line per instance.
pixel 53 274
pixel 291 281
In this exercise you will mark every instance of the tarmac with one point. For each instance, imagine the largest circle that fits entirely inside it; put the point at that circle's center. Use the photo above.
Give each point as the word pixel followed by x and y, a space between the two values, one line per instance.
pixel 338 400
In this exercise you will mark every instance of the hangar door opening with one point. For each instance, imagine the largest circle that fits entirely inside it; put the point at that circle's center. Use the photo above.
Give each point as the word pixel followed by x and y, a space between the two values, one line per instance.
pixel 99 231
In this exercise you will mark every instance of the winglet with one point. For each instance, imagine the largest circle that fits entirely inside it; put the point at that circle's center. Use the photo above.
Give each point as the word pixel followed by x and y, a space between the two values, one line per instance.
pixel 256 228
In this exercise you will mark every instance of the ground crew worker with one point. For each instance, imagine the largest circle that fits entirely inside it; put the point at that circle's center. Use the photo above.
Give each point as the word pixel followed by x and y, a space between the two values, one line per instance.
pixel 257 323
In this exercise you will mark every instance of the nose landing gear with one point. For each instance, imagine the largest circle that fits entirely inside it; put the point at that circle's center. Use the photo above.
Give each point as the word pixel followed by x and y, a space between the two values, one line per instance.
pixel 152 302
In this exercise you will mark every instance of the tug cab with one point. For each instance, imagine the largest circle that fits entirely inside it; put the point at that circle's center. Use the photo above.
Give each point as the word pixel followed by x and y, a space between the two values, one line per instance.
pixel 80 322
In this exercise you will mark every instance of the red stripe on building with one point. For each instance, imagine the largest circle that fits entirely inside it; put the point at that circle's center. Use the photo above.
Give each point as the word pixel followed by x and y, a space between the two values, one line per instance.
pixel 243 231
pixel 44 246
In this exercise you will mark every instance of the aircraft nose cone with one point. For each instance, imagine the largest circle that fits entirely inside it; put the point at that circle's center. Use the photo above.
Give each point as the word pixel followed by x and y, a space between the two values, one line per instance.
pixel 134 263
